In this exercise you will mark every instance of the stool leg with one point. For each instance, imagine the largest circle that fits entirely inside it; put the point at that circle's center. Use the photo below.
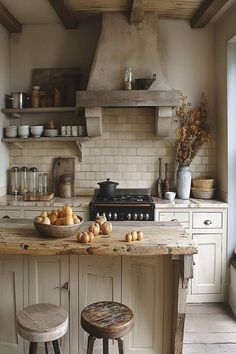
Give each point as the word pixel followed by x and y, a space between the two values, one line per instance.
pixel 120 345
pixel 91 341
pixel 56 347
pixel 33 348
pixel 46 347
pixel 105 346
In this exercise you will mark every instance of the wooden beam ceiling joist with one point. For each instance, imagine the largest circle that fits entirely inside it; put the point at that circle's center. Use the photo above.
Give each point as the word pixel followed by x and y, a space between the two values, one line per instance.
pixel 206 12
pixel 8 20
pixel 65 13
pixel 137 11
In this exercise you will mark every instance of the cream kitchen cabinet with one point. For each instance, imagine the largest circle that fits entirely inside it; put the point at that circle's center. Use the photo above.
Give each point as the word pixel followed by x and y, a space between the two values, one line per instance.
pixel 99 279
pixel 11 290
pixel 208 227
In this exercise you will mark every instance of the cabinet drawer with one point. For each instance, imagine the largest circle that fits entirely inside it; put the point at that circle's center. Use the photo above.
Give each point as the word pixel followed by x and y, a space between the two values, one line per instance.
pixel 182 218
pixel 205 220
pixel 10 213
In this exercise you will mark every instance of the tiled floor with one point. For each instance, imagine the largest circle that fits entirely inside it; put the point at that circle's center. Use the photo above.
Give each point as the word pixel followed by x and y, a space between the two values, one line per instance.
pixel 209 328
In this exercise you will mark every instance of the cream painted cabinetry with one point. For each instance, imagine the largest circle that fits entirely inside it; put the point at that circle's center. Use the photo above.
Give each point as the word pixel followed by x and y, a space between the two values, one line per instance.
pixel 11 301
pixel 208 227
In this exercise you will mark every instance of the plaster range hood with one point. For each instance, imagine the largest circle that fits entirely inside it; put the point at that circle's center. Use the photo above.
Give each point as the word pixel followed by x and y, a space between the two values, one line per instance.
pixel 120 45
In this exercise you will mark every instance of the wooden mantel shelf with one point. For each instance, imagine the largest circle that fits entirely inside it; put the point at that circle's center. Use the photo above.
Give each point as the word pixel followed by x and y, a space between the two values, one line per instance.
pixel 128 98
pixel 162 100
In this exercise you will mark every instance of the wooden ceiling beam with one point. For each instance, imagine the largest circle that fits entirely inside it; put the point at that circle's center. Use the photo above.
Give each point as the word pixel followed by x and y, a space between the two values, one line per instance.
pixel 65 13
pixel 9 21
pixel 207 10
pixel 137 11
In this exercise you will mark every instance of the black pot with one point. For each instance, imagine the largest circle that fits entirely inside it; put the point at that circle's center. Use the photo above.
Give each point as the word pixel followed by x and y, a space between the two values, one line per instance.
pixel 107 188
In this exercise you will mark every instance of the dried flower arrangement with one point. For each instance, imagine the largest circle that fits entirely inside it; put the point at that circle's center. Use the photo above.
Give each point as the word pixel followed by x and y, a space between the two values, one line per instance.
pixel 193 131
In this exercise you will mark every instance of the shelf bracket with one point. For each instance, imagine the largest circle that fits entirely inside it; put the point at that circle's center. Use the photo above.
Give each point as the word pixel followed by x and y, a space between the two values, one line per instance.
pixel 80 148
pixel 163 116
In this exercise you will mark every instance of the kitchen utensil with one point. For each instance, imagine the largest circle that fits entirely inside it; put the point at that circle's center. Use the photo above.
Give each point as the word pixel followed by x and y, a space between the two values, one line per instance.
pixel 144 83
pixel 170 196
pixel 57 231
pixel 166 183
pixel 159 181
pixel 36 130
pixel 107 188
pixel 63 166
pixel 23 131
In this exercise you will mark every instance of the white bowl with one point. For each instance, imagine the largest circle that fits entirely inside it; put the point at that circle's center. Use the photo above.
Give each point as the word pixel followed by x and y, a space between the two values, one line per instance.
pixel 170 196
pixel 36 130
pixel 23 131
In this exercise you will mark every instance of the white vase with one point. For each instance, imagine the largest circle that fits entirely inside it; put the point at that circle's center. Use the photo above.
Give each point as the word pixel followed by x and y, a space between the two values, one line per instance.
pixel 183 182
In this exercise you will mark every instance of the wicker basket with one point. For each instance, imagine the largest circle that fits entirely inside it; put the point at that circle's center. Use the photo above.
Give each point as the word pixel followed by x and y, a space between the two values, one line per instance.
pixel 203 193
pixel 203 182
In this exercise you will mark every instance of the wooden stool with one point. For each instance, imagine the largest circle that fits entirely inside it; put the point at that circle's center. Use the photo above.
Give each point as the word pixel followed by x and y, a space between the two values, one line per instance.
pixel 42 323
pixel 106 320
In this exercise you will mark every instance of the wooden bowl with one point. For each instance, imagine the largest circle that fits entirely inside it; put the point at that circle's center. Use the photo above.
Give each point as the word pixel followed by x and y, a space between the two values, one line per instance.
pixel 57 231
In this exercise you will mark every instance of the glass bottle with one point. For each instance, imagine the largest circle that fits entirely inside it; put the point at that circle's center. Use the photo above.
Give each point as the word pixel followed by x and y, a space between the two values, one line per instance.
pixel 33 180
pixel 14 187
pixel 35 96
pixel 128 79
pixel 24 180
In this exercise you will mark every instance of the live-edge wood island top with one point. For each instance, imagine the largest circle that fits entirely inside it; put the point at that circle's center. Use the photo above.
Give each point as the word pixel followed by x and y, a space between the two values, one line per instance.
pixel 160 238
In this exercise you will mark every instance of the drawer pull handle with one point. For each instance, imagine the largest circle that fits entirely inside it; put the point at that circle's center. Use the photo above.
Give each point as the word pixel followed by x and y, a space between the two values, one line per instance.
pixel 176 220
pixel 64 286
pixel 207 222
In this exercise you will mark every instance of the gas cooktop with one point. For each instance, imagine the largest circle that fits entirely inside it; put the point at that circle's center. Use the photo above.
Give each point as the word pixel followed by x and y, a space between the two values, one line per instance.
pixel 125 196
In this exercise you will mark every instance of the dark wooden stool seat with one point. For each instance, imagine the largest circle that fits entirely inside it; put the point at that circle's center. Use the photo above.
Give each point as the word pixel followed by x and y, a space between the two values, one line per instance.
pixel 106 320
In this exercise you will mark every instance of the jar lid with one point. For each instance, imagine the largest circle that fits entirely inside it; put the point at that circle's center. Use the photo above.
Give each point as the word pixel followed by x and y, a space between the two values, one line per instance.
pixel 24 168
pixel 15 169
pixel 33 169
pixel 107 182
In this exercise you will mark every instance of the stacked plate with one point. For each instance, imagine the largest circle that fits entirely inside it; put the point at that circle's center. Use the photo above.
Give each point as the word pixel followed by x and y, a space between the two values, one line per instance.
pixel 11 132
pixel 50 133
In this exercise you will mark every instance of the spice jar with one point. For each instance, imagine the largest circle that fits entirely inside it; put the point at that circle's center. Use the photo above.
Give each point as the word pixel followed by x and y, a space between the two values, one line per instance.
pixel 65 186
pixel 14 187
pixel 24 180
pixel 128 79
pixel 35 96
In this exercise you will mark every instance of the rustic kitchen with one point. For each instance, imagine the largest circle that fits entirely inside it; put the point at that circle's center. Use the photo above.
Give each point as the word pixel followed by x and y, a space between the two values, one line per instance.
pixel 117 172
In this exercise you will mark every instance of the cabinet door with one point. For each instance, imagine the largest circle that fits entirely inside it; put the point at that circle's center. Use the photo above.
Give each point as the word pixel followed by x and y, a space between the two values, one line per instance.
pixel 143 292
pixel 11 290
pixel 208 262
pixel 99 280
pixel 49 283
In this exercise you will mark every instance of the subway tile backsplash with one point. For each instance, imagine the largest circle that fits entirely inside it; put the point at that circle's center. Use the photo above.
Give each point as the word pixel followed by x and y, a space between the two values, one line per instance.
pixel 127 152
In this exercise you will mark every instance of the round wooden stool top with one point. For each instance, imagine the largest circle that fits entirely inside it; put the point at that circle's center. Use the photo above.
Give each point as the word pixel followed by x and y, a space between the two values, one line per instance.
pixel 42 322
pixel 107 319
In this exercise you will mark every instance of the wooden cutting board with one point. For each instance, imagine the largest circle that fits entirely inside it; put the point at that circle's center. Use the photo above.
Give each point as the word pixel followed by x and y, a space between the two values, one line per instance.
pixel 62 166
pixel 38 197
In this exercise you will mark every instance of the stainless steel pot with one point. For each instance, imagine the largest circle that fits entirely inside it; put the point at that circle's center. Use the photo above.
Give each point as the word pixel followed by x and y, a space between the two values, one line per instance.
pixel 108 188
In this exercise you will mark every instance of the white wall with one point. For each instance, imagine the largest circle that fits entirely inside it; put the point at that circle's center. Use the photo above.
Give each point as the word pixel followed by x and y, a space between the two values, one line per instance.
pixel 51 46
pixel 4 87
pixel 226 117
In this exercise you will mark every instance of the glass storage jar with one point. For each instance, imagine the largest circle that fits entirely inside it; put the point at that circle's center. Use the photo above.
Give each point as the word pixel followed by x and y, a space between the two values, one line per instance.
pixel 33 180
pixel 128 79
pixel 14 186
pixel 24 187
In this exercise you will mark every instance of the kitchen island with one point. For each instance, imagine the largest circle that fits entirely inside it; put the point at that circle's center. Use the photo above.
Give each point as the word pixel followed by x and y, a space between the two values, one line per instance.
pixel 151 276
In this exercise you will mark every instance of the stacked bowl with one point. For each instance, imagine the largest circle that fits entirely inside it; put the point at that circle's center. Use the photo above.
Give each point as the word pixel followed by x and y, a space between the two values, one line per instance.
pixel 51 133
pixel 11 131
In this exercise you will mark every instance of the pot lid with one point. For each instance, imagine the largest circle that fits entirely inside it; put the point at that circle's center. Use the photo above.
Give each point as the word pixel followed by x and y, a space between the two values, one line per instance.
pixel 107 182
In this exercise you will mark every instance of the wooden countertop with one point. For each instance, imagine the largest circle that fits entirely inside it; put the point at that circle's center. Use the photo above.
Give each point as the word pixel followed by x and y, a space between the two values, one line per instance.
pixel 160 238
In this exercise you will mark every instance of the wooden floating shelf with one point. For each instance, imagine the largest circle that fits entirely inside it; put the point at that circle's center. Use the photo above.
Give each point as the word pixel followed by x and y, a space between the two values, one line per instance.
pixel 128 98
pixel 38 110
pixel 19 142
